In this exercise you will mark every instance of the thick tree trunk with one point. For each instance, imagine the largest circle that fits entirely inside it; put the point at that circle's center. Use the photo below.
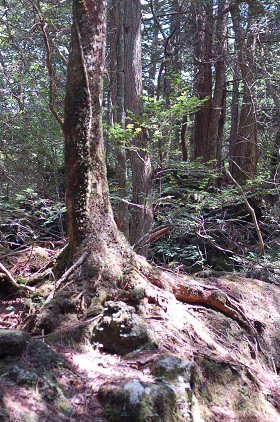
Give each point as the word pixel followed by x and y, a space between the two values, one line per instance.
pixel 89 214
pixel 141 216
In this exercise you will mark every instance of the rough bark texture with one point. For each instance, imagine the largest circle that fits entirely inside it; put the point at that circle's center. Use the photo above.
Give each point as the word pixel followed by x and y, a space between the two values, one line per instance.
pixel 141 218
pixel 234 110
pixel 117 90
pixel 202 16
pixel 87 198
pixel 245 149
pixel 216 121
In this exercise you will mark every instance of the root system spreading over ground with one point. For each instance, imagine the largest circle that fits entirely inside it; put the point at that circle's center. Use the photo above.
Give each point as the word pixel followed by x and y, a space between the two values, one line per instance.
pixel 225 327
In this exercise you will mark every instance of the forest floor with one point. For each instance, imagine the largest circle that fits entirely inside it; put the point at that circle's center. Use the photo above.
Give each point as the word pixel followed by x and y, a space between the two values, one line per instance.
pixel 57 378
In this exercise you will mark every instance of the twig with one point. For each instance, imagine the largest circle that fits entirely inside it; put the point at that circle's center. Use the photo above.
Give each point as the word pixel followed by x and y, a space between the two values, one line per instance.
pixel 9 275
pixel 66 275
pixel 12 280
pixel 252 211
pixel 69 327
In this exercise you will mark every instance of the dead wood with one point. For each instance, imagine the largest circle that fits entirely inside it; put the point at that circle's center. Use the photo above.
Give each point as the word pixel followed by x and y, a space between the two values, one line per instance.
pixel 12 280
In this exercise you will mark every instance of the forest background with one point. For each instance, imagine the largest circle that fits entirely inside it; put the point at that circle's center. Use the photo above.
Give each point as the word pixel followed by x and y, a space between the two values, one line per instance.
pixel 92 330
pixel 191 113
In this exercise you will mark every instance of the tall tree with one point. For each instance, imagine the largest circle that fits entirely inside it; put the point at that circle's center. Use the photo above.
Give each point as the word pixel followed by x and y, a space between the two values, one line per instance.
pixel 141 215
pixel 216 120
pixel 202 13
pixel 245 146
pixel 118 108
pixel 87 196
pixel 209 52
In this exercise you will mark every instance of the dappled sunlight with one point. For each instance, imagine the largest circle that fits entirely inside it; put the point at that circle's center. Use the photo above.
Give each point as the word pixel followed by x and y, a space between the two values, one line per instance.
pixel 100 367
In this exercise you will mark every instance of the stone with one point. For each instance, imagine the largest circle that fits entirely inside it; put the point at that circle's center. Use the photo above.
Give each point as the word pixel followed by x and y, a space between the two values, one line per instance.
pixel 22 376
pixel 137 401
pixel 170 367
pixel 13 342
pixel 122 331
pixel 41 355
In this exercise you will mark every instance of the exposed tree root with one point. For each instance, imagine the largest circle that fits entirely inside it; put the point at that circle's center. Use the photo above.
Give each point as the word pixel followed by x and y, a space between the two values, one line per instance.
pixel 137 272
pixel 194 291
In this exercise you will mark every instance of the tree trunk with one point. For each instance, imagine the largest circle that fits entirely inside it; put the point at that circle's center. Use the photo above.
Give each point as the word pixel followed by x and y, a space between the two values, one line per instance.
pixel 234 110
pixel 215 129
pixel 154 56
pixel 117 90
pixel 245 150
pixel 141 215
pixel 202 50
pixel 89 214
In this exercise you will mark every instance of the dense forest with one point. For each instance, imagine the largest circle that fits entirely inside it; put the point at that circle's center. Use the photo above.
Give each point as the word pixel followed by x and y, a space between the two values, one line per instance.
pixel 139 171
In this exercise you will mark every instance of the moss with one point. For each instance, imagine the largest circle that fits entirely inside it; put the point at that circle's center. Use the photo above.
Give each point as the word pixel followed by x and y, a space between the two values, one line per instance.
pixel 13 342
pixel 95 308
pixel 121 330
pixel 62 404
pixel 169 367
pixel 135 401
pixel 137 294
pixel 220 372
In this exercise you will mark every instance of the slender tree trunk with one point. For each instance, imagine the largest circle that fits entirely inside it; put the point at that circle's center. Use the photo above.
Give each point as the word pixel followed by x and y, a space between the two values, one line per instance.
pixel 234 111
pixel 117 84
pixel 202 50
pixel 245 151
pixel 184 147
pixel 141 216
pixel 154 56
pixel 215 129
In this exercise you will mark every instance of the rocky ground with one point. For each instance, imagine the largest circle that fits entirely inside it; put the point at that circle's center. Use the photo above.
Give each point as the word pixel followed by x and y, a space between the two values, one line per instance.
pixel 158 360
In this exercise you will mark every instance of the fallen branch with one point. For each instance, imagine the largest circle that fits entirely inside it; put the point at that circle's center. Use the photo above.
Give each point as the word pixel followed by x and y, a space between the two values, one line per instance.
pixel 9 276
pixel 152 235
pixel 252 212
pixel 12 280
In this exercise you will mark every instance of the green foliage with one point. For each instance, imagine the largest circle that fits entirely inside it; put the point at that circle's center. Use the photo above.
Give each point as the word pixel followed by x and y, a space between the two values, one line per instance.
pixel 31 142
pixel 30 217
pixel 157 121
pixel 211 226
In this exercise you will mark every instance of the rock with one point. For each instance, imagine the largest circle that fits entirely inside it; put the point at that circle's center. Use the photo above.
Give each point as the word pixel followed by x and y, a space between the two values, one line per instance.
pixel 13 342
pixel 62 404
pixel 95 307
pixel 121 330
pixel 41 355
pixel 22 376
pixel 169 367
pixel 136 401
pixel 28 417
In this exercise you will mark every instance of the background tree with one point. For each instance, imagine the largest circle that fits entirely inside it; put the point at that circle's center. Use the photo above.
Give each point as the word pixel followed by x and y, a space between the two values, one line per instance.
pixel 117 87
pixel 141 213
pixel 245 150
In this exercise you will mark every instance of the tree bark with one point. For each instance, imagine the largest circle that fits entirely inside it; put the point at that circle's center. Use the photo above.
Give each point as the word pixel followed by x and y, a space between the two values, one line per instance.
pixel 245 150
pixel 215 129
pixel 117 90
pixel 202 13
pixel 89 214
pixel 141 215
